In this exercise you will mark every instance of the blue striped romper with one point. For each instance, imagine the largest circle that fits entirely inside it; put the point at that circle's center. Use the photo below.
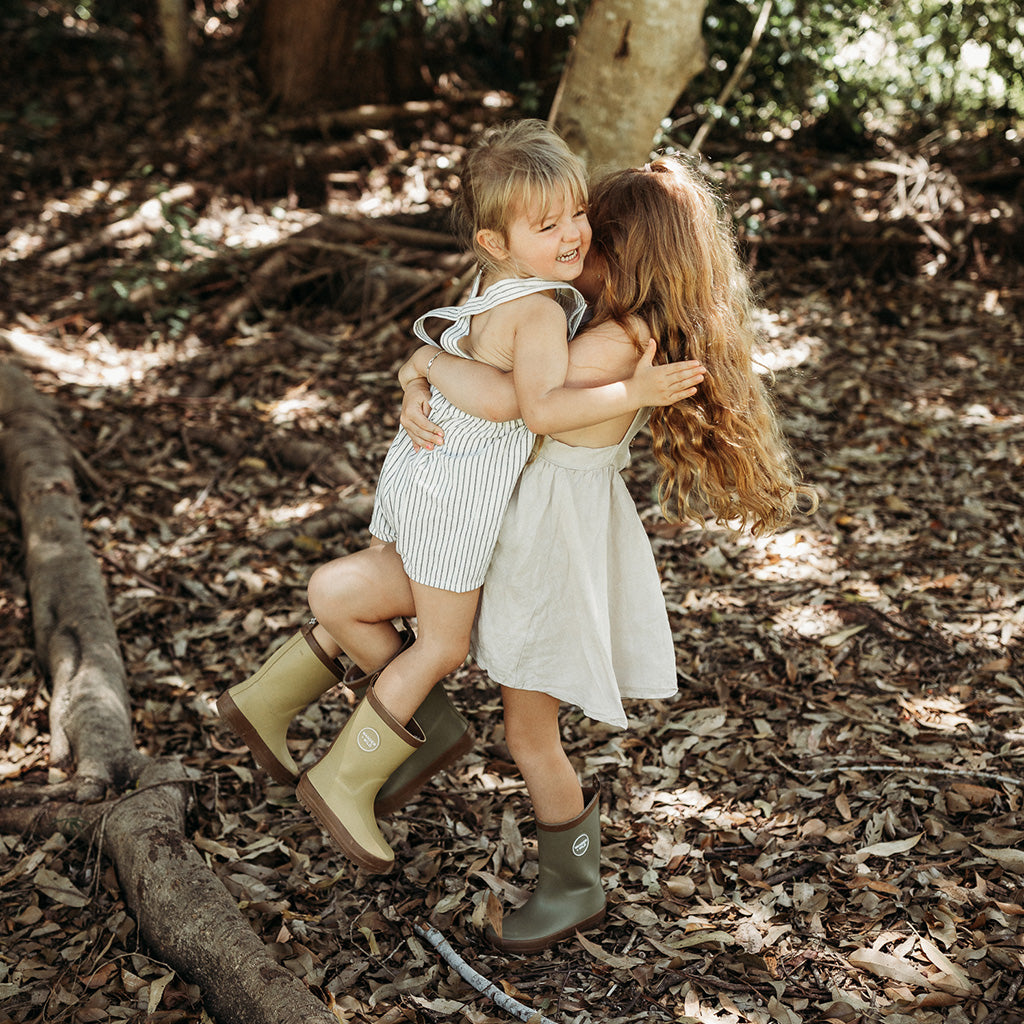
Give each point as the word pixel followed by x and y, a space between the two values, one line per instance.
pixel 443 508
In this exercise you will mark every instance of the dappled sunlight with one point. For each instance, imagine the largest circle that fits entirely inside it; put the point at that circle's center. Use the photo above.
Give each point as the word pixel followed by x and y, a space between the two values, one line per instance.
pixel 33 236
pixel 800 351
pixel 91 359
pixel 691 802
pixel 237 226
pixel 292 512
pixel 796 554
pixel 785 347
pixel 812 621
pixel 297 403
pixel 136 221
pixel 979 415
pixel 937 711
pixel 939 409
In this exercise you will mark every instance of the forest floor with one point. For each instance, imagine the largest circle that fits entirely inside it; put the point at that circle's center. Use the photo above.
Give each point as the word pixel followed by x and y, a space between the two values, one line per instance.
pixel 826 824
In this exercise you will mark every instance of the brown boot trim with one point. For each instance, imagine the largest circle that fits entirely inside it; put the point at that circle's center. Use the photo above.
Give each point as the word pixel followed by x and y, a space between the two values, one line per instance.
pixel 539 942
pixel 590 799
pixel 229 711
pixel 405 733
pixel 311 799
pixel 314 646
pixel 356 681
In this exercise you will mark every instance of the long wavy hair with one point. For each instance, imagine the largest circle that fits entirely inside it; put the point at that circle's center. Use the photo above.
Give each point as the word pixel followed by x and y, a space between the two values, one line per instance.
pixel 671 268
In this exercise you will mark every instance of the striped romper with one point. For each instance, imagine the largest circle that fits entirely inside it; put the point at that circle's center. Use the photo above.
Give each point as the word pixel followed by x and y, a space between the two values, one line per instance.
pixel 443 508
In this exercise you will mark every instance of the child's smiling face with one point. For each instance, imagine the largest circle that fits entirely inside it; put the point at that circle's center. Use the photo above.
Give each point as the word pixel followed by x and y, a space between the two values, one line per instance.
pixel 549 242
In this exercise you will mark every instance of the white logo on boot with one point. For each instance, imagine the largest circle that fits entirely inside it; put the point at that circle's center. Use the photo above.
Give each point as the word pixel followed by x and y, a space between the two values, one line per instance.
pixel 368 739
pixel 580 845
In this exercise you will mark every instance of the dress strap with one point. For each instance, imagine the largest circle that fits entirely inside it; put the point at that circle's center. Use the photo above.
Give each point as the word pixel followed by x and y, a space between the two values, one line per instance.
pixel 639 422
pixel 501 291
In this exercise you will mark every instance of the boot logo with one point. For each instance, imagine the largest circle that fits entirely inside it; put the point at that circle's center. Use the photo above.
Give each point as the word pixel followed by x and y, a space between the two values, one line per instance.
pixel 368 739
pixel 580 845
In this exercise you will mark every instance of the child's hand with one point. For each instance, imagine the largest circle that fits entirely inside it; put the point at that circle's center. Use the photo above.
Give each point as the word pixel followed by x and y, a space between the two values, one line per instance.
pixel 666 384
pixel 415 418
pixel 416 365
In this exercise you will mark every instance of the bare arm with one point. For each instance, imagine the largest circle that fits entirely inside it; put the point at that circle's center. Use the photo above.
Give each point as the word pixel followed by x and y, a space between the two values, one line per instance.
pixel 486 392
pixel 541 364
pixel 477 388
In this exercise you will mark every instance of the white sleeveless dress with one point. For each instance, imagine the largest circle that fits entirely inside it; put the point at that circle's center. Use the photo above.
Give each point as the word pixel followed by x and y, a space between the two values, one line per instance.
pixel 572 604
pixel 442 508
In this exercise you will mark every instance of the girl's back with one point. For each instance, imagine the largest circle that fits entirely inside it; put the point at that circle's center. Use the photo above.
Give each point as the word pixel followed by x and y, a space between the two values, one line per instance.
pixel 601 355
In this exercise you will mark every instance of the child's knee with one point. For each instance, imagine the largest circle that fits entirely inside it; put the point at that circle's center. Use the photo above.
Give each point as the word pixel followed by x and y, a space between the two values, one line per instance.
pixel 326 588
pixel 454 655
pixel 316 591
pixel 528 746
pixel 445 654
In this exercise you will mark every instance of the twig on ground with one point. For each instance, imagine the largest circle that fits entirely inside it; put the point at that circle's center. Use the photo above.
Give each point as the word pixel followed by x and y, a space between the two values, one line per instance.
pixel 910 769
pixel 400 307
pixel 477 980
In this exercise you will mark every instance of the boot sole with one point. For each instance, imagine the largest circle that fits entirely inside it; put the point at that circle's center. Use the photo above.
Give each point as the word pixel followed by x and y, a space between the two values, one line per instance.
pixel 394 801
pixel 331 824
pixel 230 713
pixel 535 945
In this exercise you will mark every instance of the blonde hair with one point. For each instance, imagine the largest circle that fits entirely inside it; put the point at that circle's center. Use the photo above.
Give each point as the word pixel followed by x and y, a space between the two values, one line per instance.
pixel 672 263
pixel 511 169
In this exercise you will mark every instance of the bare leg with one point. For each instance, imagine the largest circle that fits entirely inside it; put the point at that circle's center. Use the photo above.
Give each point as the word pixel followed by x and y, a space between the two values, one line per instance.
pixel 354 599
pixel 535 743
pixel 444 621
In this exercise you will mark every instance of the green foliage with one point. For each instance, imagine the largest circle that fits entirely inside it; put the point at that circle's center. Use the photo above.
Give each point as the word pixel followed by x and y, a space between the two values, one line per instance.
pixel 864 62
pixel 845 64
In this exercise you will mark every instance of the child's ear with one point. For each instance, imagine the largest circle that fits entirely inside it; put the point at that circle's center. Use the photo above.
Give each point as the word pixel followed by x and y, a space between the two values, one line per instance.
pixel 492 243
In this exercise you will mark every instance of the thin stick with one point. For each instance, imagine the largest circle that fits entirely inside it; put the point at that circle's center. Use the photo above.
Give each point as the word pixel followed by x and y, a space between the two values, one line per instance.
pixel 478 981
pixel 400 307
pixel 910 769
pixel 734 78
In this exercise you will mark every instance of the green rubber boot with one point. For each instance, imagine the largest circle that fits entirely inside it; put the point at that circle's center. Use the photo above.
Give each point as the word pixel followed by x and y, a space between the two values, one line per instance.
pixel 569 896
pixel 260 709
pixel 339 790
pixel 447 739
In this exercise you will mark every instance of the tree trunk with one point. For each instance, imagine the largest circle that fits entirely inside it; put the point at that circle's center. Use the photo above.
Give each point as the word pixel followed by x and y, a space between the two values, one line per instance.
pixel 323 53
pixel 632 60
pixel 173 16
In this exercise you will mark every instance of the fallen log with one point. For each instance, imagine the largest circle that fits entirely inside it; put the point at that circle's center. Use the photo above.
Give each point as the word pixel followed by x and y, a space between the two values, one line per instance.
pixel 90 724
pixel 133 806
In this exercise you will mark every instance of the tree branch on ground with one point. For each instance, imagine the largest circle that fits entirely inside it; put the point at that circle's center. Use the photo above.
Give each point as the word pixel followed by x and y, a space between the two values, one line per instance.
pixel 132 806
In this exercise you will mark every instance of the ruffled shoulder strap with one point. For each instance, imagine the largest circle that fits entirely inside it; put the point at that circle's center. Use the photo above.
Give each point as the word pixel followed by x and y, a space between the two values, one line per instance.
pixel 459 317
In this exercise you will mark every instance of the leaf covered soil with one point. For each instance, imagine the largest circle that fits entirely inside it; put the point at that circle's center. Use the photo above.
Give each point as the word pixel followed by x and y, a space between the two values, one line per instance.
pixel 825 825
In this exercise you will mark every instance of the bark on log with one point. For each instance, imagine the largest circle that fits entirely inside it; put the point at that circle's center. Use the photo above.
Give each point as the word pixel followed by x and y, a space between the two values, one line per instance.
pixel 188 917
pixel 90 724
pixel 184 913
